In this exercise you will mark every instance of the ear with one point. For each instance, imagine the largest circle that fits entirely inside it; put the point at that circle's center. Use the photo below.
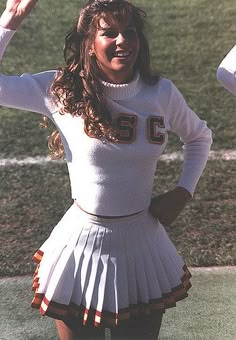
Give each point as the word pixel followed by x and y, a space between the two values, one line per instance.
pixel 91 51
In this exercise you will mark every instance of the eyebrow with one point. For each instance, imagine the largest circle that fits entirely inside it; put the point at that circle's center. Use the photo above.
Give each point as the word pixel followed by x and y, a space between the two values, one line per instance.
pixel 110 27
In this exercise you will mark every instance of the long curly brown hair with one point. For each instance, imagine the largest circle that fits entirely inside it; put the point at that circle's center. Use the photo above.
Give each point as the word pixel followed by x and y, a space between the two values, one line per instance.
pixel 77 87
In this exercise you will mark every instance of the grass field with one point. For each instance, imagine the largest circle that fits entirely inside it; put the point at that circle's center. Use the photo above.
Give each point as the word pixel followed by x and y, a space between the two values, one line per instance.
pixel 205 315
pixel 188 39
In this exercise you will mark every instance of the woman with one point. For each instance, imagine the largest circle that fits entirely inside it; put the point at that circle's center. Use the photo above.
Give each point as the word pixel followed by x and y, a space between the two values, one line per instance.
pixel 109 261
pixel 226 72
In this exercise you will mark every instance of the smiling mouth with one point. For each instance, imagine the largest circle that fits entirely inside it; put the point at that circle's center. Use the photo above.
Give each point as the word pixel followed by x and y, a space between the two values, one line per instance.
pixel 122 54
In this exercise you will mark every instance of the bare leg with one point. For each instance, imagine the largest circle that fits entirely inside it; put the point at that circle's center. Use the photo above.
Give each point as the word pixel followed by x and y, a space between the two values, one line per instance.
pixel 75 331
pixel 65 333
pixel 145 328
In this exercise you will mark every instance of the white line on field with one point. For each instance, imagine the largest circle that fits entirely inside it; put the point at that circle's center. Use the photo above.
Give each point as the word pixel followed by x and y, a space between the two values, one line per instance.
pixel 226 155
pixel 26 161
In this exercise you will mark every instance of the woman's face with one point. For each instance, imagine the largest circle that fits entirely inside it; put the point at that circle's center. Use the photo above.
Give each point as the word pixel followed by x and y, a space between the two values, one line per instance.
pixel 116 47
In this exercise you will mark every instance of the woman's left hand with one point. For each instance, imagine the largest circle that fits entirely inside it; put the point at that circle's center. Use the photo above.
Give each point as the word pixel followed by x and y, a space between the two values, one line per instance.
pixel 169 205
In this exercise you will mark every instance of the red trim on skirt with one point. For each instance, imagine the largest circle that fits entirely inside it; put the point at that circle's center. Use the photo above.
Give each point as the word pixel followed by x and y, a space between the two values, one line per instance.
pixel 65 312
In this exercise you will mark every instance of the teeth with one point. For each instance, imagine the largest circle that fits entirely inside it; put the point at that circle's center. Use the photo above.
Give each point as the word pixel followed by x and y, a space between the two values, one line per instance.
pixel 122 54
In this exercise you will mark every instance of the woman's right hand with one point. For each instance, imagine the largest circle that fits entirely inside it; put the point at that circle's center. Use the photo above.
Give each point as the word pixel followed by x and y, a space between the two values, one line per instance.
pixel 15 12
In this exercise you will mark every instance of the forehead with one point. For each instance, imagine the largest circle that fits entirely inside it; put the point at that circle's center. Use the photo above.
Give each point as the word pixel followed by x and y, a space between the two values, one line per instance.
pixel 113 20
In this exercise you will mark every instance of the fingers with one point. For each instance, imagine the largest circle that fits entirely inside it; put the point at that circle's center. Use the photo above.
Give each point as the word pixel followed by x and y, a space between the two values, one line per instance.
pixel 20 7
pixel 169 205
pixel 166 218
pixel 166 214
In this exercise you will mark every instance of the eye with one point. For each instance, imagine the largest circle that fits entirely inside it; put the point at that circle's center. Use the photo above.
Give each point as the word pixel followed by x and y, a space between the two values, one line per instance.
pixel 130 32
pixel 110 34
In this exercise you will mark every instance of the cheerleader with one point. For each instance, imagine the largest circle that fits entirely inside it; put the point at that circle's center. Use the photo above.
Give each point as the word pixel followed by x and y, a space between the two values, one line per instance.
pixel 109 261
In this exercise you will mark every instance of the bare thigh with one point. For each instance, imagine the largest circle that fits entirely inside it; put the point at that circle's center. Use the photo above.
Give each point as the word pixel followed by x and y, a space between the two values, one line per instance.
pixel 145 328
pixel 71 330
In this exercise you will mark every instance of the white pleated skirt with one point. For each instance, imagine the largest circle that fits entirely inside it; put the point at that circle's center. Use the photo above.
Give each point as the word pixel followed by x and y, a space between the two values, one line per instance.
pixel 107 270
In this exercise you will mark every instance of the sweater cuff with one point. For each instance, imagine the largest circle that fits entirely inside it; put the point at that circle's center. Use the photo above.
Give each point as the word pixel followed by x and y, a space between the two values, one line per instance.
pixel 5 37
pixel 194 163
pixel 6 32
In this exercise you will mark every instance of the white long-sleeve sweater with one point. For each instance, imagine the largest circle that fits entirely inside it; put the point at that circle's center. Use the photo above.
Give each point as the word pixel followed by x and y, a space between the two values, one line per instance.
pixel 116 178
pixel 226 72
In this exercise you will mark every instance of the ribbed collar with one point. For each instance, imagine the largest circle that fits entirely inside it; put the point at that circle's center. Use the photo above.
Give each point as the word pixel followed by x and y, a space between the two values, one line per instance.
pixel 122 91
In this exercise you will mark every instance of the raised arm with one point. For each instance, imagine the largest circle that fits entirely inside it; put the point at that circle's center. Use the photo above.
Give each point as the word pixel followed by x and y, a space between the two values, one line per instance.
pixel 226 72
pixel 15 12
pixel 28 92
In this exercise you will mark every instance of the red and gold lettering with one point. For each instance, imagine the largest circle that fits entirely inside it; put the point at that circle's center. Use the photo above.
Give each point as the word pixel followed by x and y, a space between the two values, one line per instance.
pixel 126 127
pixel 154 122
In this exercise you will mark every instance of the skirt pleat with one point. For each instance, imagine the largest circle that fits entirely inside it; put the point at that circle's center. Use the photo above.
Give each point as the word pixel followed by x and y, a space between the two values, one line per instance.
pixel 107 270
pixel 101 279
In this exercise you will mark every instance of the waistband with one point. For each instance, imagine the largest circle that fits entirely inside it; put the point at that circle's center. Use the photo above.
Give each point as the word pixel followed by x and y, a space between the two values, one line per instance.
pixel 102 217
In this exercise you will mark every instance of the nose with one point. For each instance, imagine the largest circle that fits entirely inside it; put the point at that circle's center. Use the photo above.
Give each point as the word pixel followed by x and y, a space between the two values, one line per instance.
pixel 121 39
